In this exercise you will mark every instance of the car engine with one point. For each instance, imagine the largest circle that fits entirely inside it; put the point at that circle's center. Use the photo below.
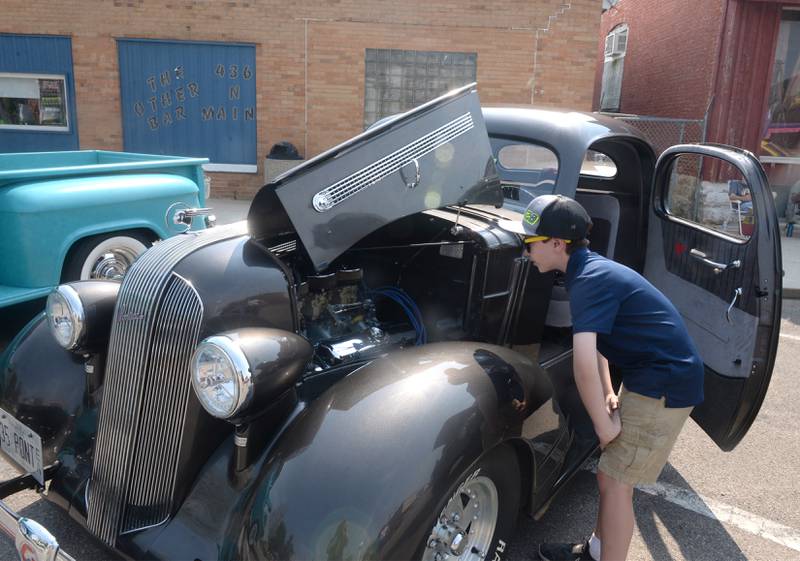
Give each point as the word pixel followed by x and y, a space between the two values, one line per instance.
pixel 339 317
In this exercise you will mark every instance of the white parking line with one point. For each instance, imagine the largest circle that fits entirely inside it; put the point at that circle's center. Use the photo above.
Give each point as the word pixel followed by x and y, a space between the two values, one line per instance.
pixel 792 337
pixel 725 513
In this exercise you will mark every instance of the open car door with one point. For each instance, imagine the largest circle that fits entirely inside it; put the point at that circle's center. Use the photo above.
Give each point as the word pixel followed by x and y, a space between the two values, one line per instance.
pixel 714 250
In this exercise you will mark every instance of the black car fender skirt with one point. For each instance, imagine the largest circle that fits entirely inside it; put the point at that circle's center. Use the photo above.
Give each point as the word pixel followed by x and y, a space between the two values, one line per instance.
pixel 42 385
pixel 362 472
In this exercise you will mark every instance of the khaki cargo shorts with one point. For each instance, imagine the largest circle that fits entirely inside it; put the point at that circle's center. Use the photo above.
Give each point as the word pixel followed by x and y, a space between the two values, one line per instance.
pixel 649 431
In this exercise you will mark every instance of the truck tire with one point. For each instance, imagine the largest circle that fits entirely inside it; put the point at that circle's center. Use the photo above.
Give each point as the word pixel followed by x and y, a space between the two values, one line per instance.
pixel 104 256
pixel 479 512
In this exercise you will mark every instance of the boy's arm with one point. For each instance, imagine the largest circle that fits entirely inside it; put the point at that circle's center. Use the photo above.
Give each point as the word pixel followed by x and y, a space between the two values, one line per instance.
pixel 591 387
pixel 605 378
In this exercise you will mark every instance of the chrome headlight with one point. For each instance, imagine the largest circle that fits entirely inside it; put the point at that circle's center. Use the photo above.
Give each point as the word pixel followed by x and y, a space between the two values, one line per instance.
pixel 221 376
pixel 66 316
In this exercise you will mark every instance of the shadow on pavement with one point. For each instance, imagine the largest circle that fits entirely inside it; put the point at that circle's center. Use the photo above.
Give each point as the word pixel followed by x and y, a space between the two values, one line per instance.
pixel 699 537
pixel 665 531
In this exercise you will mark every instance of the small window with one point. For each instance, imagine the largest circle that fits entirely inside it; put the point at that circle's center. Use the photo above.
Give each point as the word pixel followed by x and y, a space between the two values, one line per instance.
pixel 33 102
pixel 598 165
pixel 533 170
pixel 712 193
pixel 529 157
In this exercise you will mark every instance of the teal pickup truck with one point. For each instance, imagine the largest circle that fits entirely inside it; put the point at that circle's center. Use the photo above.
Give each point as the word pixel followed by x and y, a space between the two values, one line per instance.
pixel 89 214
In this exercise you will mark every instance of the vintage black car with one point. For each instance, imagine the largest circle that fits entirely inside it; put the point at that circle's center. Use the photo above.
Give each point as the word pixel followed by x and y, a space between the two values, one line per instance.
pixel 369 367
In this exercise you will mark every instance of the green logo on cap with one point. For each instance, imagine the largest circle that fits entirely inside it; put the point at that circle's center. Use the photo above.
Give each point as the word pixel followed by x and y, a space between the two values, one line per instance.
pixel 531 218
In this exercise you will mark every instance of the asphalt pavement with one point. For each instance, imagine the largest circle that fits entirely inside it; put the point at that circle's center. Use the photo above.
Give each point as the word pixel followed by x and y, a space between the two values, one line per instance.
pixel 708 505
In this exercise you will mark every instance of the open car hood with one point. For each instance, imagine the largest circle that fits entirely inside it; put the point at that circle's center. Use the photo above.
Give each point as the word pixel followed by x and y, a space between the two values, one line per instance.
pixel 433 156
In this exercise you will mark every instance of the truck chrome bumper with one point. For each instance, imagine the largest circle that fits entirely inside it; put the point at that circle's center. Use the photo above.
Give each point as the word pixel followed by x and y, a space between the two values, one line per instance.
pixel 32 540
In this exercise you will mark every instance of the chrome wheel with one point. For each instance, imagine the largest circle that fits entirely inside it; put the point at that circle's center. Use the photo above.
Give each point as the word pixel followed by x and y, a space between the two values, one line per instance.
pixel 110 258
pixel 466 525
pixel 112 265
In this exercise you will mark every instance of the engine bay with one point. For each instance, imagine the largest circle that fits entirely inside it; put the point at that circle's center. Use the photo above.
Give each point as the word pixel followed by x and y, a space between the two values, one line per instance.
pixel 440 275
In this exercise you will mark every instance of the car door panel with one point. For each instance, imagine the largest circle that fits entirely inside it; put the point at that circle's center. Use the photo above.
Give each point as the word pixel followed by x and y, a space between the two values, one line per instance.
pixel 731 312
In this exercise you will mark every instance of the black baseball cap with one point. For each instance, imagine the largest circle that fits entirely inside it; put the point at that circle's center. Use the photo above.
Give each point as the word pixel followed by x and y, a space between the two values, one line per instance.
pixel 551 216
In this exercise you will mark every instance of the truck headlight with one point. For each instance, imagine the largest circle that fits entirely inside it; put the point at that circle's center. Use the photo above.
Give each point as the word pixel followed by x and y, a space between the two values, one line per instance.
pixel 66 316
pixel 221 376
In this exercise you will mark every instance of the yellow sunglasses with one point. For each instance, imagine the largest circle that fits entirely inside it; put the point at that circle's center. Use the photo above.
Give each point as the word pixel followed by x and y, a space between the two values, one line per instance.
pixel 532 239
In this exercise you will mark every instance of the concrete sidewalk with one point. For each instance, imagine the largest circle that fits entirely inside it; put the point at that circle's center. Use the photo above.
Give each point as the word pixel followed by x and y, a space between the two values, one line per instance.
pixel 229 210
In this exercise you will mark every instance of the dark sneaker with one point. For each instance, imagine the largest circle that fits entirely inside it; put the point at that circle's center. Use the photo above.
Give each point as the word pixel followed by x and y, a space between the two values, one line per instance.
pixel 565 552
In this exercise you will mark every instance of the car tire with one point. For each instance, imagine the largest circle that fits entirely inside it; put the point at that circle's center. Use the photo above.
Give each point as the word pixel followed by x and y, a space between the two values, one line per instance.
pixel 494 481
pixel 105 256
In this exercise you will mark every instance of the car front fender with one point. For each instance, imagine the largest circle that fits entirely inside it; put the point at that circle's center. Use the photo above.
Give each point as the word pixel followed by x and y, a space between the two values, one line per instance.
pixel 362 472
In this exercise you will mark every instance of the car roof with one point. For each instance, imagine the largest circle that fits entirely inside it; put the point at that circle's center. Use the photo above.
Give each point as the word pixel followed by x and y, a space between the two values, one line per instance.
pixel 568 133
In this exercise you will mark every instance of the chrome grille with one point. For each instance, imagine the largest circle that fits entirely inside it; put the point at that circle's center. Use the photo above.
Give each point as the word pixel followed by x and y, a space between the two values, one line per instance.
pixel 365 177
pixel 164 406
pixel 146 389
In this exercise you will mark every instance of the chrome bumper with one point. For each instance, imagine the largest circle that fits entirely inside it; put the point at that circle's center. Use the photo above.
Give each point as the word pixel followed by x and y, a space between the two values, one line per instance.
pixel 32 540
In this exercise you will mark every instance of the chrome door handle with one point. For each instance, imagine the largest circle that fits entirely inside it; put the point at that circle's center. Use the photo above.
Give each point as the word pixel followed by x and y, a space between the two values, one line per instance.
pixel 736 294
pixel 718 267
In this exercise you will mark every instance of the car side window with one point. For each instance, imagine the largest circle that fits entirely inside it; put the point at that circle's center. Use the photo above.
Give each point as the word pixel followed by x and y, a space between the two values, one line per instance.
pixel 598 164
pixel 527 170
pixel 712 193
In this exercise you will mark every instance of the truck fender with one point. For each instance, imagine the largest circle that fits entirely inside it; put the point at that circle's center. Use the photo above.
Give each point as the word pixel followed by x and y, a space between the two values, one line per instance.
pixel 363 471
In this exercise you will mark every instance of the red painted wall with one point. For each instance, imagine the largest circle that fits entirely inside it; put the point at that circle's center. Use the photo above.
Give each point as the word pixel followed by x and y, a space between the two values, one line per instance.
pixel 744 72
pixel 670 58
pixel 685 56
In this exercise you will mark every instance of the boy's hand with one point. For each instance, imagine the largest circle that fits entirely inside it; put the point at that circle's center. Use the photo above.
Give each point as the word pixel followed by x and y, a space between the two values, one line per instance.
pixel 612 403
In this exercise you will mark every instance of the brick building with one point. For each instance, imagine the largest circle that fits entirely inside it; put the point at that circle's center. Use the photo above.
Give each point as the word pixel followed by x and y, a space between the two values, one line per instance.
pixel 733 63
pixel 229 79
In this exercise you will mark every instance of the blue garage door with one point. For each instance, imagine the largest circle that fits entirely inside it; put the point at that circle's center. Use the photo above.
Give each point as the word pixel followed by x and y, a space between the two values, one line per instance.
pixel 189 99
pixel 37 94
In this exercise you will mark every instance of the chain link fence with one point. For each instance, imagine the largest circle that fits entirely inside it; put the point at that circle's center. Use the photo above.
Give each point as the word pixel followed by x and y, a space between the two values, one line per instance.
pixel 663 132
pixel 697 192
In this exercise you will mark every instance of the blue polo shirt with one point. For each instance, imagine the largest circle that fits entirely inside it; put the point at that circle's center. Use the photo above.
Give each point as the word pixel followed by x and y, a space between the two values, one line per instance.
pixel 638 329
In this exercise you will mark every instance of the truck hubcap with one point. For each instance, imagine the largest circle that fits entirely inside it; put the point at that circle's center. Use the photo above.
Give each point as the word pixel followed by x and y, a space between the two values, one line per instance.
pixel 113 264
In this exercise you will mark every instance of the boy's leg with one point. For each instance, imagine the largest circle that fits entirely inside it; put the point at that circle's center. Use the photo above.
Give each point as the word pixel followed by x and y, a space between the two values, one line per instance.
pixel 615 517
pixel 636 456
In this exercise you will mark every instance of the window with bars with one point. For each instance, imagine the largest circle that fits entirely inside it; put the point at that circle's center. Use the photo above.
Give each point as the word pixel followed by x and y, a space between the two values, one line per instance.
pixel 397 80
